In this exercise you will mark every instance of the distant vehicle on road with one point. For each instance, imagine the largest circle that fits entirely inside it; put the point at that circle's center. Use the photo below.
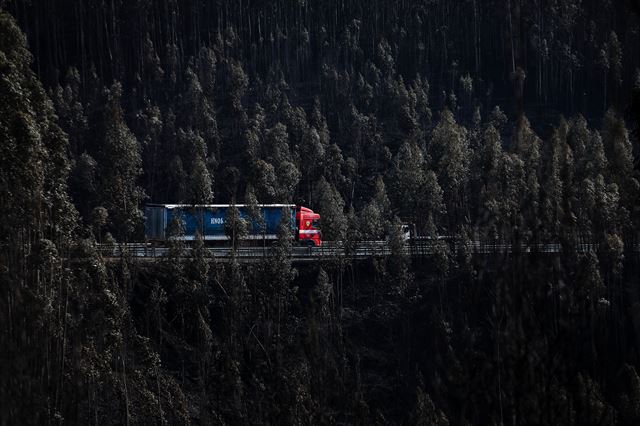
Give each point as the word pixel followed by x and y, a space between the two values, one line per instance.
pixel 410 233
pixel 209 220
pixel 407 231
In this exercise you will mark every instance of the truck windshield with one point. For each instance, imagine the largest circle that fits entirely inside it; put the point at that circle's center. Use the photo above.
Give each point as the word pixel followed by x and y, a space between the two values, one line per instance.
pixel 315 224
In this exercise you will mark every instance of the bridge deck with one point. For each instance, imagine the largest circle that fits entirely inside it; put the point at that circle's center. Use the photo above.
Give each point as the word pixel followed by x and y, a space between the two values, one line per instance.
pixel 361 250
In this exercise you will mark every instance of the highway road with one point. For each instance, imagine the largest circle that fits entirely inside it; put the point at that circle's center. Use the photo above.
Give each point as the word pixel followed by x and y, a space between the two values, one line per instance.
pixel 361 250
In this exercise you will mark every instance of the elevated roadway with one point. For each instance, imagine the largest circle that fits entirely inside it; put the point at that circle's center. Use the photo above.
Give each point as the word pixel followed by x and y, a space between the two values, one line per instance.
pixel 358 251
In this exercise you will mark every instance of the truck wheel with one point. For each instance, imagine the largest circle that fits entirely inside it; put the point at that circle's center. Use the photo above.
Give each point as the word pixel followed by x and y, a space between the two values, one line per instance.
pixel 310 244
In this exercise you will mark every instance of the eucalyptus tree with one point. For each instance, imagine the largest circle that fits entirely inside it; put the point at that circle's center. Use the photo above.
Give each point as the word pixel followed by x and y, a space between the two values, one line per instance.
pixel 261 173
pixel 199 111
pixel 330 205
pixel 376 214
pixel 295 120
pixel 120 163
pixel 231 90
pixel 416 190
pixel 425 412
pixel 149 128
pixel 619 153
pixel 200 186
pixel 151 66
pixel 254 133
pixel 333 171
pixel 278 154
pixel 420 89
pixel 590 165
pixel 37 228
pixel 525 147
pixel 196 309
pixel 497 118
pixel 399 261
pixel 449 157
pixel 190 171
pixel 409 178
pixel 312 153
pixel 70 109
pixel 253 208
pixel 84 183
pixel 558 220
pixel 235 226
pixel 586 144
pixel 177 180
pixel 487 167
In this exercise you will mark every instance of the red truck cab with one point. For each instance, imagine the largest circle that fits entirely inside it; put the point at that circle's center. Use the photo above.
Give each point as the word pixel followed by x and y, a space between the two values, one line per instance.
pixel 308 227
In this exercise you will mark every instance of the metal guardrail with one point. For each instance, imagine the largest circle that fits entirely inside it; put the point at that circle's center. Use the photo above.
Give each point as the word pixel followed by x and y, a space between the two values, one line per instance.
pixel 329 249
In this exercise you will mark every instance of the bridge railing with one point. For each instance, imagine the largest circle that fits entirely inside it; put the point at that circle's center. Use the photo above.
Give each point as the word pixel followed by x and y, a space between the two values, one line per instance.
pixel 353 250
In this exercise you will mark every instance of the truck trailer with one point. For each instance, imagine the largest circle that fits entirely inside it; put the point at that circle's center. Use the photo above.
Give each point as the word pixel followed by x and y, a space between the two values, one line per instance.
pixel 209 220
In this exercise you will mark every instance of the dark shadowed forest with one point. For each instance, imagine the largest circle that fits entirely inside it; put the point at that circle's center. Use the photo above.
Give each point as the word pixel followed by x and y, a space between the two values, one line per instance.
pixel 506 122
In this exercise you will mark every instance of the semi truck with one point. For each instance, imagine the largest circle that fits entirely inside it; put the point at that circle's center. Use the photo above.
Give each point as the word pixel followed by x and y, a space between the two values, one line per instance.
pixel 209 221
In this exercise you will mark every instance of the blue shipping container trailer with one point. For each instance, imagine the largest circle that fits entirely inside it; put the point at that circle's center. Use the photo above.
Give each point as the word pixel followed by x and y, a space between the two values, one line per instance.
pixel 210 219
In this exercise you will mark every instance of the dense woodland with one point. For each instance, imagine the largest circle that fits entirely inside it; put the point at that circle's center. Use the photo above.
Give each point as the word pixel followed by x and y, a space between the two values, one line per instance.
pixel 496 121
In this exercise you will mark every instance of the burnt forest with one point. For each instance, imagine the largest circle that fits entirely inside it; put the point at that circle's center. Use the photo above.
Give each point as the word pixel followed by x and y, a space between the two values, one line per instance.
pixel 352 212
